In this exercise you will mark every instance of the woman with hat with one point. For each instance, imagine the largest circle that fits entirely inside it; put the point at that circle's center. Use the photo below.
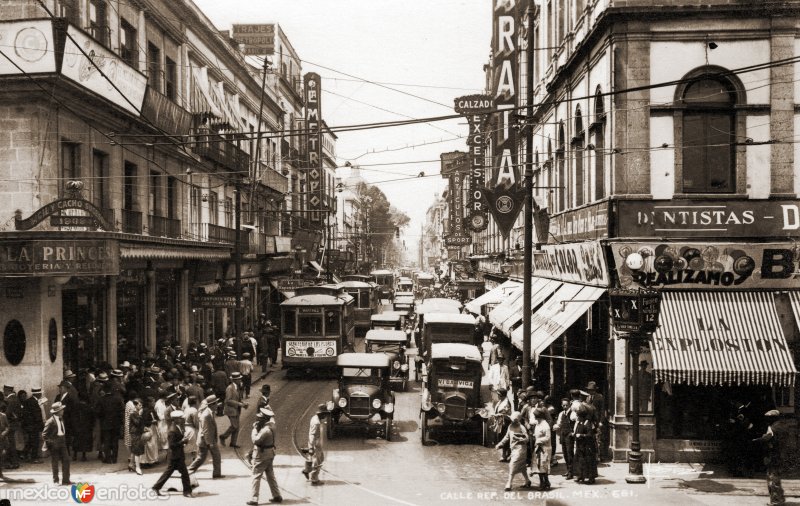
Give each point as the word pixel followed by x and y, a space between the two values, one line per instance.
pixel 152 445
pixel 585 463
pixel 137 427
pixel 516 438
pixel 500 420
pixel 540 460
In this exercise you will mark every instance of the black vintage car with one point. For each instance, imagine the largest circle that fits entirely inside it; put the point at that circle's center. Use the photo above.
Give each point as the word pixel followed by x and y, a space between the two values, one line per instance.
pixel 364 396
pixel 452 397
pixel 391 343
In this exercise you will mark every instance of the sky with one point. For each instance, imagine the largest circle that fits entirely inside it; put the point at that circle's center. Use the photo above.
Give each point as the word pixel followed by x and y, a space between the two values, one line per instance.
pixel 439 46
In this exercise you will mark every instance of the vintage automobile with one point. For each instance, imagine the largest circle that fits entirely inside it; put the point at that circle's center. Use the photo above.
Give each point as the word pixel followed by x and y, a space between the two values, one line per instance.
pixel 388 321
pixel 446 328
pixel 405 284
pixel 392 343
pixel 404 301
pixel 452 395
pixel 364 396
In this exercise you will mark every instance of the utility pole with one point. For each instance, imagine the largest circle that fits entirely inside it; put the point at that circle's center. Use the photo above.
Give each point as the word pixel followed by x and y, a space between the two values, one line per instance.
pixel 237 256
pixel 528 209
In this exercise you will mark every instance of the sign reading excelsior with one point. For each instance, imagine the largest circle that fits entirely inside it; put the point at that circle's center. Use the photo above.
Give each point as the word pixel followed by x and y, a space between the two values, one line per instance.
pixel 59 257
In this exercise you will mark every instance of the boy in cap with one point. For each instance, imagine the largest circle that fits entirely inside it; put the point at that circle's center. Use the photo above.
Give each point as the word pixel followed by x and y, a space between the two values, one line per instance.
pixel 176 438
pixel 54 435
pixel 315 451
pixel 263 437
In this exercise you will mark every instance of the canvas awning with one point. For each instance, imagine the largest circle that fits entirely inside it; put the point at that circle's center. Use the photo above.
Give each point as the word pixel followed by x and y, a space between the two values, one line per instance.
pixel 493 296
pixel 722 338
pixel 541 289
pixel 503 310
pixel 561 310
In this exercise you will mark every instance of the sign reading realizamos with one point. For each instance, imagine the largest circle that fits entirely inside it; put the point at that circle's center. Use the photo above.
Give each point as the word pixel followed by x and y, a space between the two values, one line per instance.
pixel 702 265
pixel 704 218
pixel 59 257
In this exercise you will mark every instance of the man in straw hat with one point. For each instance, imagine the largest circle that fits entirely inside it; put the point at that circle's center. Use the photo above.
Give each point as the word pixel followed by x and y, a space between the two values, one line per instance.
pixel 315 452
pixel 54 435
pixel 177 460
pixel 263 437
pixel 207 437
pixel 233 408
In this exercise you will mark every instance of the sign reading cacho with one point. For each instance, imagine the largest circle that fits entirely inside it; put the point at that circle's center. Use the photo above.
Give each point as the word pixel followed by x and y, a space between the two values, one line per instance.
pixel 57 258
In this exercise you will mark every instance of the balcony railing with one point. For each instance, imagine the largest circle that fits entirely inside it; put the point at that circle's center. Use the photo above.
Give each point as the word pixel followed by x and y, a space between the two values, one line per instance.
pixel 131 221
pixel 217 233
pixel 274 179
pixel 160 226
pixel 220 150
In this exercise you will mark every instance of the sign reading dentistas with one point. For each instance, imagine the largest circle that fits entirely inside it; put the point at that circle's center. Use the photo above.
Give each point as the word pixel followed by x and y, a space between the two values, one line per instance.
pixel 313 90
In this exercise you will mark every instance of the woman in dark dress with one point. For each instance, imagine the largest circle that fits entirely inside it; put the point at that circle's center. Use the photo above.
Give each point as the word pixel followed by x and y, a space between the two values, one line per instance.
pixel 585 449
pixel 137 427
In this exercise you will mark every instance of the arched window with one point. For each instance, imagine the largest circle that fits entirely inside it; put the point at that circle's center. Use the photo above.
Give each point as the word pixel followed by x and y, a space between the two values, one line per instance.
pixel 577 148
pixel 598 134
pixel 561 170
pixel 709 131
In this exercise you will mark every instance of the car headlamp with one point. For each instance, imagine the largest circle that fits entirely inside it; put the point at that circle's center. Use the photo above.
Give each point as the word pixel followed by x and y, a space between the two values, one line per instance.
pixel 342 402
pixel 440 407
pixel 376 403
pixel 396 364
pixel 404 367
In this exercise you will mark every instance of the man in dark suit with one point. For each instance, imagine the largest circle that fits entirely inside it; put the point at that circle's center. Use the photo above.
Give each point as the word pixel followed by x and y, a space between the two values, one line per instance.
pixel 111 412
pixel 598 402
pixel 55 437
pixel 176 438
pixel 233 407
pixel 5 429
pixel 207 437
pixel 32 424
pixel 68 397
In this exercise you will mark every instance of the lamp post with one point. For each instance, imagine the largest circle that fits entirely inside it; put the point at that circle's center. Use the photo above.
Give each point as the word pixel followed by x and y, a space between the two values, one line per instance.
pixel 634 314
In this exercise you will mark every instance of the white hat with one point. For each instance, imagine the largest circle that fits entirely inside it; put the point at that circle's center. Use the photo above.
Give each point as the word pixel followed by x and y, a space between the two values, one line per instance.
pixel 176 414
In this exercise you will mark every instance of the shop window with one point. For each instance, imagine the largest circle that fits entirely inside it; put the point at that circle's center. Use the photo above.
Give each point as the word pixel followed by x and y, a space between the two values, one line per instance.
pixel 288 323
pixel 709 130
pixel 309 325
pixel 98 22
pixel 52 339
pixel 14 342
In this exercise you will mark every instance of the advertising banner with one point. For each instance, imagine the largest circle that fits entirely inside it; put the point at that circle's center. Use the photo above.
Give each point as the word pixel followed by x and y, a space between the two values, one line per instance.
pixel 313 98
pixel 257 39
pixel 681 266
pixel 505 205
pixel 476 108
pixel 584 224
pixel 29 45
pixel 583 263
pixel 505 36
pixel 59 257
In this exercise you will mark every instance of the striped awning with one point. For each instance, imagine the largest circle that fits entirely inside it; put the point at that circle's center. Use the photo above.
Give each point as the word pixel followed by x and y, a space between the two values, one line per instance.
pixel 493 296
pixel 172 253
pixel 794 298
pixel 721 338
pixel 541 289
pixel 557 315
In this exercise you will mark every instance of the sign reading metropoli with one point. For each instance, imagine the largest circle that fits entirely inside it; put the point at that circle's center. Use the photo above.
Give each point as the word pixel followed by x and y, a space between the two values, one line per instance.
pixel 313 92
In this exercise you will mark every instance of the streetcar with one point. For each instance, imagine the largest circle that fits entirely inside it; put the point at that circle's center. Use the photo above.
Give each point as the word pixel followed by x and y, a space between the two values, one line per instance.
pixel 317 325
pixel 385 279
pixel 405 284
pixel 365 303
pixel 423 283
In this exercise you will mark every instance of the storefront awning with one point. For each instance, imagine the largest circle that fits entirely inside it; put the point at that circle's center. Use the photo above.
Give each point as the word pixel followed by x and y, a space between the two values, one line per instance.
pixel 171 253
pixel 721 338
pixel 493 296
pixel 503 310
pixel 558 314
pixel 541 289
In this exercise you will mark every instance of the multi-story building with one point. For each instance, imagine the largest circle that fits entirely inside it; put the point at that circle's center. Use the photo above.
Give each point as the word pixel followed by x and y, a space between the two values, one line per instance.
pixel 126 150
pixel 434 251
pixel 664 154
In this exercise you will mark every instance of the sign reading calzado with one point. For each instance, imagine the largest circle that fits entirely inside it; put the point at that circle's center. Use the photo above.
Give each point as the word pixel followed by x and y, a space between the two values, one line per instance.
pixel 57 258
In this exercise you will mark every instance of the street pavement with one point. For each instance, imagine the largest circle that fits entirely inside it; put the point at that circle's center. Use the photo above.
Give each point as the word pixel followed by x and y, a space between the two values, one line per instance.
pixel 365 469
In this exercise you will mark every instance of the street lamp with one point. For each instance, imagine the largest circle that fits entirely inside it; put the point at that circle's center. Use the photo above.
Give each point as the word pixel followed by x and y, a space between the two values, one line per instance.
pixel 634 314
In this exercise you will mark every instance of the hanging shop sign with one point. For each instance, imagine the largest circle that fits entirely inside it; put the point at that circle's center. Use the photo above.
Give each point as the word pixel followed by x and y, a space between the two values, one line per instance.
pixel 476 108
pixel 454 162
pixel 634 311
pixel 28 46
pixel 584 224
pixel 313 91
pixel 457 241
pixel 684 266
pixel 59 258
pixel 505 204
pixel 708 218
pixel 505 35
pixel 128 88
pixel 95 218
pixel 214 300
pixel 258 39
pixel 583 263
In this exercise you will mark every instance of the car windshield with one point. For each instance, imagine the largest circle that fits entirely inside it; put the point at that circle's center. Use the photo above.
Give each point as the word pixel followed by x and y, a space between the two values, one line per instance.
pixel 361 375
pixel 382 347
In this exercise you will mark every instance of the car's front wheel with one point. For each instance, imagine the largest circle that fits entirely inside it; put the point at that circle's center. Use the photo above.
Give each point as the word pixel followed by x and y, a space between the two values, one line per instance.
pixel 330 429
pixel 426 436
pixel 387 429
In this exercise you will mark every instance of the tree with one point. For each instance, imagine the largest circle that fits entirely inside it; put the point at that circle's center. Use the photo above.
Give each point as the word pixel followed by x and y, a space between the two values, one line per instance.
pixel 384 221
